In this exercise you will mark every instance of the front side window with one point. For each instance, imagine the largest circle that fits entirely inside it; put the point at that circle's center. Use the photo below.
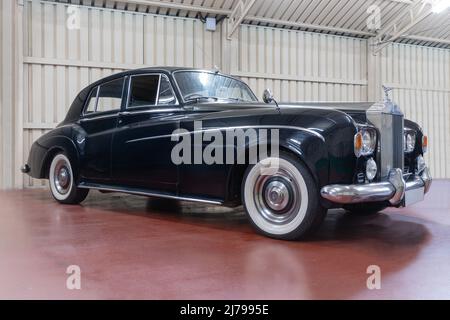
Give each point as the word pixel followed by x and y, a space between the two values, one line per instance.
pixel 143 91
pixel 202 86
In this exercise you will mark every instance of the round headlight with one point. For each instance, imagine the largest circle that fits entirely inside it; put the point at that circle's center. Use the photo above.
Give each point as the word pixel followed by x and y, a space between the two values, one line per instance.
pixel 420 164
pixel 365 142
pixel 410 142
pixel 371 169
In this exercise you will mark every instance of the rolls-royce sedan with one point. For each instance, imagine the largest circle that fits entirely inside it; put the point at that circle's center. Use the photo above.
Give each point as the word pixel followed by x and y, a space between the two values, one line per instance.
pixel 200 135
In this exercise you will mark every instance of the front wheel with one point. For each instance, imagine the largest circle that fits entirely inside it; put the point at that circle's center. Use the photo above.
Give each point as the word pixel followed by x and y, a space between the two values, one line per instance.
pixel 62 181
pixel 281 198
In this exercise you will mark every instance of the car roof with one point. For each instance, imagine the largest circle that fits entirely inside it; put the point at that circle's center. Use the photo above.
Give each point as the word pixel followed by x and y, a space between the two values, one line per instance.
pixel 168 70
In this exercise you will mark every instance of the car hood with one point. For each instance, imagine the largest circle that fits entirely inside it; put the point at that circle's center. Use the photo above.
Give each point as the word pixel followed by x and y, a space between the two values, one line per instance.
pixel 328 110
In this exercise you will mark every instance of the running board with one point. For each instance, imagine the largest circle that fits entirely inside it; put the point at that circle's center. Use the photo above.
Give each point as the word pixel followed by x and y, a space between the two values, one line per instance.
pixel 140 192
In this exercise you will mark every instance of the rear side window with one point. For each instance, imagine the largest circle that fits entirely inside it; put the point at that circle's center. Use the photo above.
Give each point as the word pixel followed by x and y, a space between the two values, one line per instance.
pixel 106 97
pixel 144 90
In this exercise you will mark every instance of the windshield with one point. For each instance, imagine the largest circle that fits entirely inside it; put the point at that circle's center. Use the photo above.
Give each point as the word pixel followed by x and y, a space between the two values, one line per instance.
pixel 198 85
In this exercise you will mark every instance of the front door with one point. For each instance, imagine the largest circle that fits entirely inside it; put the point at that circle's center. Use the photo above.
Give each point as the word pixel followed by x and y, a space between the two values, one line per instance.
pixel 142 144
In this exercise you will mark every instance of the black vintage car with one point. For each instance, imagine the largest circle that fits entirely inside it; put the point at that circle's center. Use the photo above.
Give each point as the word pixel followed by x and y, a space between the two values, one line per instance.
pixel 123 134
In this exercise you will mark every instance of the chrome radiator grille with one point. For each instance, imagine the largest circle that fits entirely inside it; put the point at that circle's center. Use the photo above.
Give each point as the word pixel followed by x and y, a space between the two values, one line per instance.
pixel 389 120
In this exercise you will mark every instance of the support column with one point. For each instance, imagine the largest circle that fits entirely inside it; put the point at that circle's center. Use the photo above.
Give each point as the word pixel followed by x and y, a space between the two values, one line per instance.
pixel 230 50
pixel 11 86
pixel 374 73
pixel 20 153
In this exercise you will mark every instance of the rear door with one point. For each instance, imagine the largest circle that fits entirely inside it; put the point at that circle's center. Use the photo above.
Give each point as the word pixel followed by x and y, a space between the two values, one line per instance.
pixel 142 145
pixel 99 120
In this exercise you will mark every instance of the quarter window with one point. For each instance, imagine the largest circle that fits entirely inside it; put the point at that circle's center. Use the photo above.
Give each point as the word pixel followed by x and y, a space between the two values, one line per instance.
pixel 92 103
pixel 110 96
pixel 166 95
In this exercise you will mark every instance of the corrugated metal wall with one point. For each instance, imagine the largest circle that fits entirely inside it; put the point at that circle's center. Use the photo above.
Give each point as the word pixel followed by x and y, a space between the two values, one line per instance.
pixel 9 99
pixel 302 66
pixel 298 66
pixel 420 77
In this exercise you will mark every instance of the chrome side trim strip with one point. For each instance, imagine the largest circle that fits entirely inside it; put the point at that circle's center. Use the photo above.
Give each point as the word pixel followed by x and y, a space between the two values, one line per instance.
pixel 99 117
pixel 145 193
pixel 228 128
pixel 155 110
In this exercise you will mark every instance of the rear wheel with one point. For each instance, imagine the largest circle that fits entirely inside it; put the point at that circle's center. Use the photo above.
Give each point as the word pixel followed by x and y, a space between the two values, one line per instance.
pixel 365 209
pixel 282 200
pixel 62 181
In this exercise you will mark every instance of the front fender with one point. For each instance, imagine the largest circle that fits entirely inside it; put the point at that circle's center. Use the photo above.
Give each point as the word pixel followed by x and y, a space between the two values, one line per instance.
pixel 311 150
pixel 308 146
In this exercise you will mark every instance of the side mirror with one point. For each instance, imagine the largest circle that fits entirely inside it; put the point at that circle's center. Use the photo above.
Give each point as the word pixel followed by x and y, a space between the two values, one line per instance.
pixel 268 96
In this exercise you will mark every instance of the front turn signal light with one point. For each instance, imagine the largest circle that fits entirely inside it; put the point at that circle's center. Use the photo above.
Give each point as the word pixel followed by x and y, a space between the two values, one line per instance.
pixel 424 144
pixel 358 144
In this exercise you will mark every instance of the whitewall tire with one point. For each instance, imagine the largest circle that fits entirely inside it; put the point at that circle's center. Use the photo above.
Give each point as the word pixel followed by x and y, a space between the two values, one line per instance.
pixel 281 198
pixel 62 181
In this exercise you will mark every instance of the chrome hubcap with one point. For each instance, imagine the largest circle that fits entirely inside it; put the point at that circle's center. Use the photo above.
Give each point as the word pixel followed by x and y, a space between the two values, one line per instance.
pixel 62 177
pixel 277 197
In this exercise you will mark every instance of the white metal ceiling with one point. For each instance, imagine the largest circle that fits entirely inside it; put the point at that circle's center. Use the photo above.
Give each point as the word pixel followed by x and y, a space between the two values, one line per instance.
pixel 345 17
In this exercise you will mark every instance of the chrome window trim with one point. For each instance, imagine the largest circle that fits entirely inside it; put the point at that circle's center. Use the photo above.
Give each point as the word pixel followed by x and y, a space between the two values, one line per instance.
pixel 213 73
pixel 155 110
pixel 100 115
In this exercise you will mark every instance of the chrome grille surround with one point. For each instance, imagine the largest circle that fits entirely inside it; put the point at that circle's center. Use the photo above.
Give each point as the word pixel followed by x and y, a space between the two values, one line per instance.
pixel 389 120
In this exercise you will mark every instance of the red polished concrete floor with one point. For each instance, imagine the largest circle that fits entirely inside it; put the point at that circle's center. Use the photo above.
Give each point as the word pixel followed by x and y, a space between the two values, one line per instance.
pixel 127 248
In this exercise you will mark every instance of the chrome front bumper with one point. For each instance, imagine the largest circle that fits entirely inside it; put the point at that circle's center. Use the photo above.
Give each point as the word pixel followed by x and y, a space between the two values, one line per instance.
pixel 393 190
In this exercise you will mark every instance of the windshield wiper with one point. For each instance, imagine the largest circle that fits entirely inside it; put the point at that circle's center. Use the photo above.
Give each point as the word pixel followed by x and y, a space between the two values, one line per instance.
pixel 198 99
pixel 235 99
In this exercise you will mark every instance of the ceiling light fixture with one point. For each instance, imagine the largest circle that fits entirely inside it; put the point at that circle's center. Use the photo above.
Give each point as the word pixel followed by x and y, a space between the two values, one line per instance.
pixel 439 6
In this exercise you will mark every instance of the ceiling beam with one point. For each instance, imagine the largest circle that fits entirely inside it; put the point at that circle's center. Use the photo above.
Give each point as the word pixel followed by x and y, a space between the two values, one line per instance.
pixel 238 14
pixel 309 26
pixel 260 19
pixel 180 6
pixel 428 39
pixel 405 21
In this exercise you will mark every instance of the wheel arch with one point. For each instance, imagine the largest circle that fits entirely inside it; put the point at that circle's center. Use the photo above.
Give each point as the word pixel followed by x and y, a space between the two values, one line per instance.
pixel 60 144
pixel 309 149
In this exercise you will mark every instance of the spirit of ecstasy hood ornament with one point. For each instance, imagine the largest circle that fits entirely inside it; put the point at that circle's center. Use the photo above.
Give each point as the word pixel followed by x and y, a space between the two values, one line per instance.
pixel 386 92
pixel 388 105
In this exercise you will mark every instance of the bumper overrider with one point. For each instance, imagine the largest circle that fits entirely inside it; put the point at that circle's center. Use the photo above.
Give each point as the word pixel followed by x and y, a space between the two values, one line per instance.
pixel 396 190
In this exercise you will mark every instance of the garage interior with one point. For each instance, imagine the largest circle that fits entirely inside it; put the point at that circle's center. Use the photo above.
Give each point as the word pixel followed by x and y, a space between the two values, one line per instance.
pixel 305 50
